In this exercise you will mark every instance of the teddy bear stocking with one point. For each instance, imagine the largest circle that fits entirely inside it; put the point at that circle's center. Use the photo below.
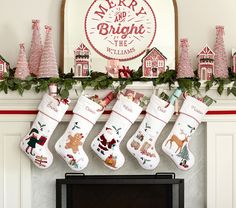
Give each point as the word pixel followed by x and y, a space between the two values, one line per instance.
pixel 176 146
pixel 142 143
pixel 70 145
pixel 106 144
pixel 35 143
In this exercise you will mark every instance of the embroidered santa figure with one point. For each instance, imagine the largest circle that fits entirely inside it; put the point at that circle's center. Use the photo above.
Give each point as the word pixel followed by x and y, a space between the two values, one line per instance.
pixel 107 141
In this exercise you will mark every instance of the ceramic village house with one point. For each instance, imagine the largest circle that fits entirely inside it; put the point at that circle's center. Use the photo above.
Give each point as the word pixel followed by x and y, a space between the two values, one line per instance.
pixel 206 63
pixel 4 66
pixel 153 63
pixel 82 61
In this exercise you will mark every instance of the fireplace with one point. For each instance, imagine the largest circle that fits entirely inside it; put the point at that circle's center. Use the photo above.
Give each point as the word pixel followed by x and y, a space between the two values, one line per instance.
pixel 122 191
pixel 214 148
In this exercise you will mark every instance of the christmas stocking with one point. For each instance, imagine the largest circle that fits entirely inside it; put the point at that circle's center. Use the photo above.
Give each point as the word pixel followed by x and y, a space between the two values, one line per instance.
pixel 142 143
pixel 106 144
pixel 176 144
pixel 35 143
pixel 70 145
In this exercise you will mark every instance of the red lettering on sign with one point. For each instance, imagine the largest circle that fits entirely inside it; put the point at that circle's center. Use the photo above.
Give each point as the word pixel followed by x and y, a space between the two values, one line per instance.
pixel 102 11
pixel 122 2
pixel 141 12
pixel 105 29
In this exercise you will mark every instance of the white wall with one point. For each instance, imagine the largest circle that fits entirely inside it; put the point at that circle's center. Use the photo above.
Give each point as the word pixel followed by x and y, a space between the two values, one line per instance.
pixel 15 24
pixel 197 20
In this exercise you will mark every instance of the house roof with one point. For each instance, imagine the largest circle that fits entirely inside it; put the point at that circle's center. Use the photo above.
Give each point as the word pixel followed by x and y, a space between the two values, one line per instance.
pixel 149 52
pixel 206 50
pixel 233 52
pixel 1 58
pixel 82 47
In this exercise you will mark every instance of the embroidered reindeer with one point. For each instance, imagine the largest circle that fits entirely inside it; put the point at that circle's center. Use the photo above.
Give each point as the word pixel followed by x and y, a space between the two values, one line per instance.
pixel 177 141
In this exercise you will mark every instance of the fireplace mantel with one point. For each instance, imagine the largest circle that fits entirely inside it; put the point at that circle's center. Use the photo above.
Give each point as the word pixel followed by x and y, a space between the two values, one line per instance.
pixel 17 112
pixel 25 107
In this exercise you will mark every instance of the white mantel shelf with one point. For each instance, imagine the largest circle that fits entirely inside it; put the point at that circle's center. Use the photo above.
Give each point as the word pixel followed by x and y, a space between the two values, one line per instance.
pixel 14 107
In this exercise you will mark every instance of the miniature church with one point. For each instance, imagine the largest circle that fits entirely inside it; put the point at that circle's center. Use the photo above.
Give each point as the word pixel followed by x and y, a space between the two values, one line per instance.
pixel 154 63
pixel 206 63
pixel 4 66
pixel 82 61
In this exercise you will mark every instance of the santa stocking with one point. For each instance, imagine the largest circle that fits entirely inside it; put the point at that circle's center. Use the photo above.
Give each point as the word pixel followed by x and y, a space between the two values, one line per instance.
pixel 142 143
pixel 35 143
pixel 107 144
pixel 70 145
pixel 176 144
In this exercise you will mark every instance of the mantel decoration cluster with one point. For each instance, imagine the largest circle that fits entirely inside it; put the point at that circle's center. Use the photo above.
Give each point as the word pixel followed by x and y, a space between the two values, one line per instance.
pixel 41 71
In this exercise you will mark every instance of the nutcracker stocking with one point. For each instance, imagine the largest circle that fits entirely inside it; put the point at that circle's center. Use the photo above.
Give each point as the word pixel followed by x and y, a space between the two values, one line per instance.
pixel 176 144
pixel 106 144
pixel 35 143
pixel 142 143
pixel 70 145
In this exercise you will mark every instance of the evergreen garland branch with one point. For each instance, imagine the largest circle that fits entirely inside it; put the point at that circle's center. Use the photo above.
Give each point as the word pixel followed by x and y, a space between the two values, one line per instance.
pixel 99 80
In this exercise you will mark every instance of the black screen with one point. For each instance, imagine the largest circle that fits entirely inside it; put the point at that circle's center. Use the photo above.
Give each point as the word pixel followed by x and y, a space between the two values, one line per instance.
pixel 119 196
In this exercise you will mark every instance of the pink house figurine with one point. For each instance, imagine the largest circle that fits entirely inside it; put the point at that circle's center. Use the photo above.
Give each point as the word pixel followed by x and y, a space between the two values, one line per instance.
pixel 206 63
pixel 154 62
pixel 4 66
pixel 234 60
pixel 112 68
pixel 82 61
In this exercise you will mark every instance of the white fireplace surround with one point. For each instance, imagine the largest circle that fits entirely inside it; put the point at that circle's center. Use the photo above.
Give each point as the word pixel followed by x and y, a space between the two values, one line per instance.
pixel 17 112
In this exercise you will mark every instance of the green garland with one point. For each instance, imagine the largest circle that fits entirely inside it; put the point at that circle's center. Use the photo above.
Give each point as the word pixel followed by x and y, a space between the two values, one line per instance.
pixel 99 80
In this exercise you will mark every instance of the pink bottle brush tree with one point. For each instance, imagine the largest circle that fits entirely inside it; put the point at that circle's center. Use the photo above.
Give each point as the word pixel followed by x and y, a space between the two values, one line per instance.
pixel 48 65
pixel 35 49
pixel 221 69
pixel 22 68
pixel 185 69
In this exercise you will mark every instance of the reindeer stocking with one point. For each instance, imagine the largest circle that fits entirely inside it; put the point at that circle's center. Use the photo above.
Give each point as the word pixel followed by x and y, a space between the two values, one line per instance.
pixel 35 143
pixel 106 144
pixel 70 145
pixel 142 143
pixel 176 144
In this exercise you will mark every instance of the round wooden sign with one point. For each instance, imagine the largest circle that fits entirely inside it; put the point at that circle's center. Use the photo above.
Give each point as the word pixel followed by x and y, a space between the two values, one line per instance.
pixel 120 29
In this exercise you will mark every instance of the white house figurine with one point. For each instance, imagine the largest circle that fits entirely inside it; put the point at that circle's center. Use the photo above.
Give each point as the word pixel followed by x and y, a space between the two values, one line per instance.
pixel 154 63
pixel 206 63
pixel 234 60
pixel 82 61
pixel 4 66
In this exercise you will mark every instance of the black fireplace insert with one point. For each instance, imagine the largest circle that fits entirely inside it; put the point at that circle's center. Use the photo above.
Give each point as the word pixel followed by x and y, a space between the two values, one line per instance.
pixel 162 190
